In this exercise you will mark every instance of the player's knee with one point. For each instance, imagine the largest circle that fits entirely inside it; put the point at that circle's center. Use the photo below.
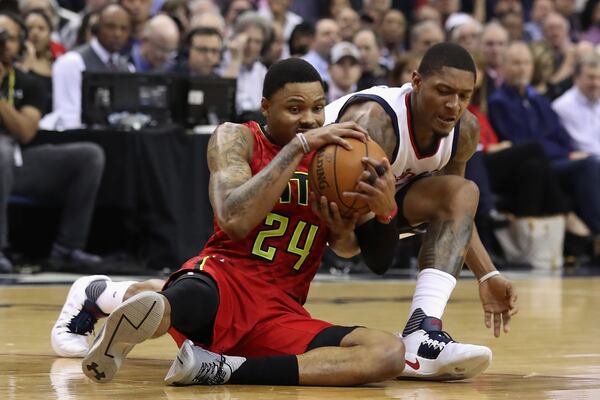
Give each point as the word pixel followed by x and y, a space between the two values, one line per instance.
pixel 461 200
pixel 388 358
pixel 151 285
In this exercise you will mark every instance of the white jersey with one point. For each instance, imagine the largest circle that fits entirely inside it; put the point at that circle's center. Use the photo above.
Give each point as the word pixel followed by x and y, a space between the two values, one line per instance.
pixel 407 162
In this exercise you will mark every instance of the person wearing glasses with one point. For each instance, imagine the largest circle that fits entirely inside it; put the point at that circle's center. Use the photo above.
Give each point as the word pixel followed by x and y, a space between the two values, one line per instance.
pixel 157 47
pixel 103 53
pixel 202 52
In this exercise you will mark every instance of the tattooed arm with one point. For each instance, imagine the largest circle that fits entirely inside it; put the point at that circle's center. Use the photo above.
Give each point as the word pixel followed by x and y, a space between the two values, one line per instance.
pixel 241 201
pixel 497 294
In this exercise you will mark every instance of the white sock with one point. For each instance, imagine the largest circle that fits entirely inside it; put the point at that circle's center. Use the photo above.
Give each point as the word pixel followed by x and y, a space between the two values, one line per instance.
pixel 432 292
pixel 112 297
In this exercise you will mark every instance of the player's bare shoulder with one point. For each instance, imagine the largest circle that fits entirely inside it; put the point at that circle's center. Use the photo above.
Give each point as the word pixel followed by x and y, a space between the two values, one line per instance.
pixel 371 116
pixel 229 143
pixel 469 136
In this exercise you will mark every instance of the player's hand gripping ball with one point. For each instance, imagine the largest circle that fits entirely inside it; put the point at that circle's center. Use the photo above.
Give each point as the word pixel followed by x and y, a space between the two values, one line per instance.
pixel 335 170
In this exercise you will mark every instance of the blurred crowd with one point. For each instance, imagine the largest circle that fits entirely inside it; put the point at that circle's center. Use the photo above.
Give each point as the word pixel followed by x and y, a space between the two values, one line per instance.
pixel 538 84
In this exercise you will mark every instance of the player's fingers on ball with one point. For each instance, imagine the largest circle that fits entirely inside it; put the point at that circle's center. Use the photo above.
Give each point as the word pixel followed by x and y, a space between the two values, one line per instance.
pixel 371 179
pixel 367 188
pixel 344 143
pixel 355 126
pixel 335 211
pixel 364 176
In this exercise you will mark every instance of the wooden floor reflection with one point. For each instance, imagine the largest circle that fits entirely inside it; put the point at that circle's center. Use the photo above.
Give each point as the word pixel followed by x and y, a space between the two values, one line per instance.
pixel 552 351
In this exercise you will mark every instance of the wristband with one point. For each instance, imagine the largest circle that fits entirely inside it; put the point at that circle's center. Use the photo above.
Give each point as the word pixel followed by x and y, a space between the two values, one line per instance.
pixel 488 276
pixel 386 219
pixel 303 142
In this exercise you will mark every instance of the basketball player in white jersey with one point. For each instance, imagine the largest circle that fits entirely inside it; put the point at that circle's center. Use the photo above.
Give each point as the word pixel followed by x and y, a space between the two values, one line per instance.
pixel 428 136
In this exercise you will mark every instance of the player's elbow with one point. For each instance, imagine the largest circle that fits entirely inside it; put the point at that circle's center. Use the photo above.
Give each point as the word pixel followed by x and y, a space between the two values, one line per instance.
pixel 379 265
pixel 235 229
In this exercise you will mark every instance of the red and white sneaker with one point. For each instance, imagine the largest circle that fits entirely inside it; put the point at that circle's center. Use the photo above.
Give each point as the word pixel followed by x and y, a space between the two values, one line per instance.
pixel 431 354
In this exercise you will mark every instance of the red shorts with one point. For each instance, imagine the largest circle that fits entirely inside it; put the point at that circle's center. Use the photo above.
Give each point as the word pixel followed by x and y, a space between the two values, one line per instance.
pixel 254 318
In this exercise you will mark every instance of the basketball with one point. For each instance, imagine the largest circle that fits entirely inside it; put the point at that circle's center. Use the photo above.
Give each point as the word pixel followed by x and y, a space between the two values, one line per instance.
pixel 335 170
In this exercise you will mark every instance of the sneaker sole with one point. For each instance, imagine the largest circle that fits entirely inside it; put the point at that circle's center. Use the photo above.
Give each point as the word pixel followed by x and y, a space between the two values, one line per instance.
pixel 77 285
pixel 178 370
pixel 465 369
pixel 131 323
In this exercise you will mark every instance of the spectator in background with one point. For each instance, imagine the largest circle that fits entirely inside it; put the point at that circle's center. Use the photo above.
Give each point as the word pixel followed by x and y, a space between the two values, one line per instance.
pixel 331 8
pixel 202 52
pixel 87 29
pixel 566 8
pixel 468 35
pixel 348 21
pixel 427 13
pixel 276 47
pixel 393 35
pixel 41 52
pixel 519 173
pixel 69 174
pixel 494 40
pixel 209 20
pixel 62 19
pixel 590 22
pixel 579 107
pixel 543 68
pixel 373 73
pixel 140 11
pixel 402 72
pixel 556 35
pixel 424 35
pixel 179 11
pixel 301 39
pixel 513 23
pixel 73 28
pixel 233 10
pixel 344 70
pixel 445 7
pixel 327 34
pixel 158 45
pixel 375 9
pixel 539 11
pixel 101 54
pixel 243 63
pixel 278 12
pixel 519 114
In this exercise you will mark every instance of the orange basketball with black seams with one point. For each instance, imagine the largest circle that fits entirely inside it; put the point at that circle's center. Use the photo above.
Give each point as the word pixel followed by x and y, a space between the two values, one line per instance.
pixel 335 170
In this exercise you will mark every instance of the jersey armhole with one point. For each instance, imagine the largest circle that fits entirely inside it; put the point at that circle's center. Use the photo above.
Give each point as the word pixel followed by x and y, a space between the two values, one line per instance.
pixel 357 98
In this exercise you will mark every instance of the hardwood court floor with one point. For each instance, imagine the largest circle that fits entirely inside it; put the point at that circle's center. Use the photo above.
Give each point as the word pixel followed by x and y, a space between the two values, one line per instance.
pixel 552 351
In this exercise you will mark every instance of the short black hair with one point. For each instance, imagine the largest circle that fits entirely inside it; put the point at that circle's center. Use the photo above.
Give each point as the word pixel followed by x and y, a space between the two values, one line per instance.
pixel 446 54
pixel 291 70
pixel 201 31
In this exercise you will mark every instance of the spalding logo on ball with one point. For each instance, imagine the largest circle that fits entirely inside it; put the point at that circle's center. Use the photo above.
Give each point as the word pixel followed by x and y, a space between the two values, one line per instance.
pixel 335 170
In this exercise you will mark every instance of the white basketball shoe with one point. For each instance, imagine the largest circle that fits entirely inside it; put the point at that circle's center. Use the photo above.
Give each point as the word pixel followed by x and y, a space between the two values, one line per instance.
pixel 131 323
pixel 431 353
pixel 196 366
pixel 72 332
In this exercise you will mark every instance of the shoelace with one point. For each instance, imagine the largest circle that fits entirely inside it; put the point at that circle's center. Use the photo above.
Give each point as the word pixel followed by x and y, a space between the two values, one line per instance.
pixel 83 322
pixel 437 339
pixel 211 373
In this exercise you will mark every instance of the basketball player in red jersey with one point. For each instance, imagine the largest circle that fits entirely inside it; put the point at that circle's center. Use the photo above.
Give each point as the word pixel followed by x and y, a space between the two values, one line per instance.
pixel 243 295
pixel 429 136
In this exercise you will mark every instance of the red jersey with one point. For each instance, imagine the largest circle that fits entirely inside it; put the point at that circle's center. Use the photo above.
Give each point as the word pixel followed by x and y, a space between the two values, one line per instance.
pixel 286 248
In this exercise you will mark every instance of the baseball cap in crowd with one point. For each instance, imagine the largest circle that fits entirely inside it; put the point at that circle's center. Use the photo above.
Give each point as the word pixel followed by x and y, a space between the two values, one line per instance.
pixel 344 49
